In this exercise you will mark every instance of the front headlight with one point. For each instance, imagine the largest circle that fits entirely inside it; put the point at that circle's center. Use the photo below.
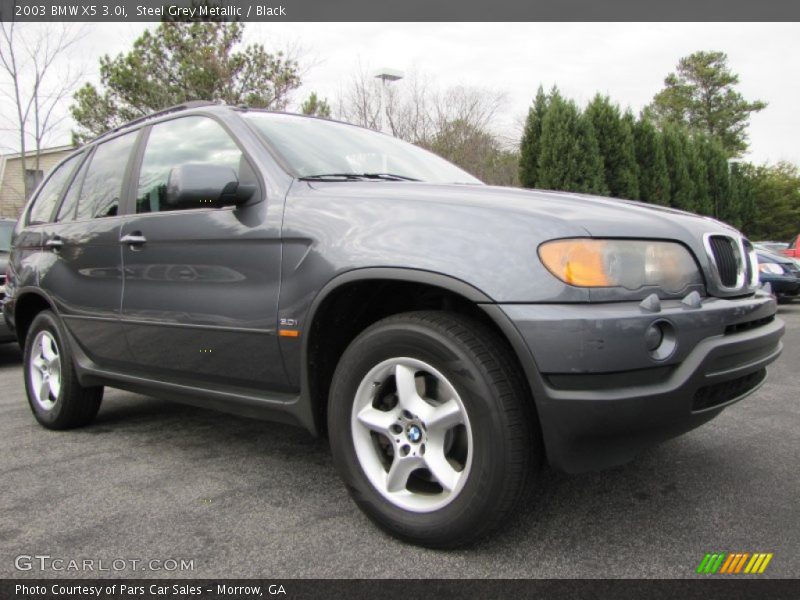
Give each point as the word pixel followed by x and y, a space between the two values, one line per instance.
pixel 771 268
pixel 631 264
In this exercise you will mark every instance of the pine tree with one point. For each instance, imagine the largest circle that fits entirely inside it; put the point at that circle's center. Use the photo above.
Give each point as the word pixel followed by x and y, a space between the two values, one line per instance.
pixel 653 173
pixel 723 205
pixel 569 158
pixel 530 145
pixel 177 62
pixel 778 191
pixel 743 189
pixel 681 187
pixel 591 174
pixel 699 176
pixel 702 95
pixel 316 106
pixel 615 140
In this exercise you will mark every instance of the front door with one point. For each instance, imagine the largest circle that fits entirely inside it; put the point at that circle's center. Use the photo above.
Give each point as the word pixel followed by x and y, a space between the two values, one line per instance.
pixel 201 284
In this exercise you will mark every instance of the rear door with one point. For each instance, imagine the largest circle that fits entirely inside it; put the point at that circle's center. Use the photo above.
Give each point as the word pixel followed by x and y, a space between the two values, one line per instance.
pixel 83 273
pixel 36 225
pixel 201 283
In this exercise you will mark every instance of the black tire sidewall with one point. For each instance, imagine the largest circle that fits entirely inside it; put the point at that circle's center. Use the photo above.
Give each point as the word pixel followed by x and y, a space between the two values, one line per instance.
pixel 489 448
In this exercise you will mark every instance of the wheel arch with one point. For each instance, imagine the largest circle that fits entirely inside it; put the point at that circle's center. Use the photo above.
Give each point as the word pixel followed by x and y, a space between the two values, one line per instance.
pixel 29 303
pixel 413 290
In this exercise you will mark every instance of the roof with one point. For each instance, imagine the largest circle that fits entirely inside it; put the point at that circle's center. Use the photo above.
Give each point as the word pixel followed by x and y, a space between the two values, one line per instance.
pixel 53 150
pixel 159 113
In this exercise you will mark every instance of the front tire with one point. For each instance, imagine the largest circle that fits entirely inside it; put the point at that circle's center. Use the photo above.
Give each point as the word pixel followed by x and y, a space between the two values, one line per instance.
pixel 432 429
pixel 56 398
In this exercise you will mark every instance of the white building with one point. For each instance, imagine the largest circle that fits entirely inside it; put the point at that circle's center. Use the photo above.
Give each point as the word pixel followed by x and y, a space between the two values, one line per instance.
pixel 12 179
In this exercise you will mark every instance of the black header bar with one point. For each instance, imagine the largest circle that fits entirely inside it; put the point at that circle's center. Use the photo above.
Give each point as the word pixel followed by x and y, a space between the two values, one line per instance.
pixel 399 10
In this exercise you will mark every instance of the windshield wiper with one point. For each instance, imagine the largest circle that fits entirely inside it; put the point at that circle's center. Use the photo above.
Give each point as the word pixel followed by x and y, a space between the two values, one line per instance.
pixel 357 177
pixel 388 176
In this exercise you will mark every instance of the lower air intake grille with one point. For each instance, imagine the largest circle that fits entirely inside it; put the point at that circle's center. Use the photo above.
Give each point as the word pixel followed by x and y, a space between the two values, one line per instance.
pixel 720 393
pixel 748 325
pixel 726 257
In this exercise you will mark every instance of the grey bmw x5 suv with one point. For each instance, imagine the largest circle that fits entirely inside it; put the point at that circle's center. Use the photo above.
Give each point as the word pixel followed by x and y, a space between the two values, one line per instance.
pixel 449 337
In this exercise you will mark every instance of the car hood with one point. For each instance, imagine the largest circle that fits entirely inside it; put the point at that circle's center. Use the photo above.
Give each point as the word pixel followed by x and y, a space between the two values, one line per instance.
pixel 484 235
pixel 598 216
pixel 764 256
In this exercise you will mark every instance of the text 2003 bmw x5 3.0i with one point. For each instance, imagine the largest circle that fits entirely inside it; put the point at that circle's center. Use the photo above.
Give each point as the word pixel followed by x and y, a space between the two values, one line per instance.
pixel 448 336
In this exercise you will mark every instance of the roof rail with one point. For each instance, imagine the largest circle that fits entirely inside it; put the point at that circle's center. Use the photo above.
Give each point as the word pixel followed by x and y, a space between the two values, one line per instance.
pixel 158 113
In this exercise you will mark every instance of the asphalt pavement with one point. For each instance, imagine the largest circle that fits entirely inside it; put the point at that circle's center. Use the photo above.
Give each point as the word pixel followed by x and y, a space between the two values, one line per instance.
pixel 152 480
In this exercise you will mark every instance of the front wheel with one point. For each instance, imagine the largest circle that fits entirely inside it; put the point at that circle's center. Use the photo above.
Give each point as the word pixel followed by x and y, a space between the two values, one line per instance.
pixel 431 428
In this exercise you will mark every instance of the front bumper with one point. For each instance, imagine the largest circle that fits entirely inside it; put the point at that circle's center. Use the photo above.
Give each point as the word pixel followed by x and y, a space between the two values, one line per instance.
pixel 6 333
pixel 783 286
pixel 602 397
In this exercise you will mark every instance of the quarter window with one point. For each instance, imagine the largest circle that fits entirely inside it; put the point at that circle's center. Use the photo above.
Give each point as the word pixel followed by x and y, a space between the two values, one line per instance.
pixel 178 142
pixel 66 211
pixel 46 200
pixel 102 186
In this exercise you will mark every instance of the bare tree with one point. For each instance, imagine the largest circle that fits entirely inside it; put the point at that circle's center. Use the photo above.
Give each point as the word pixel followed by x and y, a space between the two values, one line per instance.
pixel 458 123
pixel 409 113
pixel 475 106
pixel 28 57
pixel 360 103
pixel 413 109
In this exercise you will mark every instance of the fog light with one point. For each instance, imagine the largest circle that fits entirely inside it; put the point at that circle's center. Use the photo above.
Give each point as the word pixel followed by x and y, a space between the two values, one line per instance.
pixel 653 337
pixel 660 340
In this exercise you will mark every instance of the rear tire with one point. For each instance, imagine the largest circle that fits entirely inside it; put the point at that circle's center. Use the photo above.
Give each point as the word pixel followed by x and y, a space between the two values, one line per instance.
pixel 56 398
pixel 432 428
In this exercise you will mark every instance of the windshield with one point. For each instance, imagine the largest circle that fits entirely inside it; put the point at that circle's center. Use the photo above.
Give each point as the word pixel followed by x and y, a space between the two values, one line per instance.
pixel 6 228
pixel 320 148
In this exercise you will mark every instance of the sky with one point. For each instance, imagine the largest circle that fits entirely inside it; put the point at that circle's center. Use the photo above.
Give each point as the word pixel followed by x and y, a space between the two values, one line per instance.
pixel 627 61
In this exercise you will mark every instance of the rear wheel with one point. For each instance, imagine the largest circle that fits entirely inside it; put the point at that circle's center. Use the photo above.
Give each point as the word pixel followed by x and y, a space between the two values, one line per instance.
pixel 431 428
pixel 57 399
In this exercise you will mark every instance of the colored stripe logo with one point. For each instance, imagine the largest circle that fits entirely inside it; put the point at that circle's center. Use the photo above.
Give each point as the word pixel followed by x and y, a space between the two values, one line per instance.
pixel 734 563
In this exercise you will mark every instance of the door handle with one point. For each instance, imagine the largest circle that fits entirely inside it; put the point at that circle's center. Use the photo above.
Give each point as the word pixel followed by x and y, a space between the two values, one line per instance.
pixel 133 239
pixel 54 244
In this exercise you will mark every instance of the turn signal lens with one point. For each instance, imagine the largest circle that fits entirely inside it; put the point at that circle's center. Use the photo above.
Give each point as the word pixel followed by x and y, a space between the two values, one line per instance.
pixel 576 262
pixel 631 264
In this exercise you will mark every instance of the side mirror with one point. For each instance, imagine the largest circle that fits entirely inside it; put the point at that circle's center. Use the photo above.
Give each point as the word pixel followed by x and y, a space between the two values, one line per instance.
pixel 199 186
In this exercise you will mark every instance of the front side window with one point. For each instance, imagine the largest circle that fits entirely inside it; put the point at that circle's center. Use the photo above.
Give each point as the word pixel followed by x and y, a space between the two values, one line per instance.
pixel 46 200
pixel 182 142
pixel 102 185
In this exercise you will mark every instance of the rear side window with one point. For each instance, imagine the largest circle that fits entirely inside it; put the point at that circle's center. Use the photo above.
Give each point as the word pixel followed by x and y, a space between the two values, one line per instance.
pixel 102 186
pixel 47 198
pixel 183 141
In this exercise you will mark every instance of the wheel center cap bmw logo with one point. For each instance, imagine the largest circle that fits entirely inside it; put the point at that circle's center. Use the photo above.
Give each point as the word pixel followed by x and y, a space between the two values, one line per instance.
pixel 414 434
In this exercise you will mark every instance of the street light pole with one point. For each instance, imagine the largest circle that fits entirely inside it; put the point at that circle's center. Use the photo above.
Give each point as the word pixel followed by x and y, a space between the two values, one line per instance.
pixel 386 76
